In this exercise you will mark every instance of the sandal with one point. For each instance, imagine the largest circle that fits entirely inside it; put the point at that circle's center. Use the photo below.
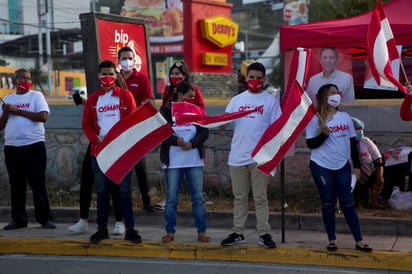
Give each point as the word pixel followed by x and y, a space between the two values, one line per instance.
pixel 332 247
pixel 168 238
pixel 203 238
pixel 364 248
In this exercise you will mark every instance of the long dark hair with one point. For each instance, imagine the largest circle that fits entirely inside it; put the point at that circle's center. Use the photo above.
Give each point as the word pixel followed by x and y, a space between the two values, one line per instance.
pixel 323 93
pixel 183 68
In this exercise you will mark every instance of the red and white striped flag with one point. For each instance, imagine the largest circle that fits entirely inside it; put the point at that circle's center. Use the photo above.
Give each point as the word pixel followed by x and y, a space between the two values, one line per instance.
pixel 130 140
pixel 382 49
pixel 299 68
pixel 298 111
pixel 186 113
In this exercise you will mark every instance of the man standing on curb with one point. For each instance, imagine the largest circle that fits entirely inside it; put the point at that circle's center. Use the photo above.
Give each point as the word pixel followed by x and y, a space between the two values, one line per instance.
pixel 243 169
pixel 139 85
pixel 103 109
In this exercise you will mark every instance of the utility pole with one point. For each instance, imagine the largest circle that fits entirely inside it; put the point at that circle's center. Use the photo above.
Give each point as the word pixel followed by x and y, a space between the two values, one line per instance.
pixel 41 11
pixel 48 48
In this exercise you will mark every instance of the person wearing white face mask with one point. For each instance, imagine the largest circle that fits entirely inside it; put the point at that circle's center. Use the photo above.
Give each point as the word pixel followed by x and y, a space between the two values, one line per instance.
pixel 331 136
pixel 139 85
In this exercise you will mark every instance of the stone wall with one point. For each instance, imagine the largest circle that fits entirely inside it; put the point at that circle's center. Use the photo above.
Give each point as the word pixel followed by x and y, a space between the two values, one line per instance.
pixel 66 148
pixel 66 145
pixel 216 85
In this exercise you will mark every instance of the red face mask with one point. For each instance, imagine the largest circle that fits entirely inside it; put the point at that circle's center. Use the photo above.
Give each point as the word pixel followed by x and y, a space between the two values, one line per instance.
pixel 24 86
pixel 107 81
pixel 254 85
pixel 176 80
pixel 187 100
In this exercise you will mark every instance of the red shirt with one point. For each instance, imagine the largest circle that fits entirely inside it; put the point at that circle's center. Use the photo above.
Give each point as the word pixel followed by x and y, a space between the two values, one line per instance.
pixel 89 123
pixel 406 108
pixel 168 96
pixel 139 86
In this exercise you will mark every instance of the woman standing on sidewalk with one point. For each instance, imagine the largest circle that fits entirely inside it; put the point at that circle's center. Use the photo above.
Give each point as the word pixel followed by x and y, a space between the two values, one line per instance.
pixel 331 136
pixel 182 156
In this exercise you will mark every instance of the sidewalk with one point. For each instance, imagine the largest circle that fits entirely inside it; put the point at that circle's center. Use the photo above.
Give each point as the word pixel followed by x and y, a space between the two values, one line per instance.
pixel 391 251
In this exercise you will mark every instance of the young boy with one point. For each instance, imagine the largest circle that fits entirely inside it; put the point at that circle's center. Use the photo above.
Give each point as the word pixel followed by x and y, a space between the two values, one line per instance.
pixel 103 109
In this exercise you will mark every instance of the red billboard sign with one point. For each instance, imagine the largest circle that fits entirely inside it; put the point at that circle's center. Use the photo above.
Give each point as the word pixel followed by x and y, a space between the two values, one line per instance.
pixel 115 35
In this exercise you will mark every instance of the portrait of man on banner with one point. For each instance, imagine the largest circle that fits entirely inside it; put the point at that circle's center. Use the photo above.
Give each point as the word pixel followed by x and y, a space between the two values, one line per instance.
pixel 331 65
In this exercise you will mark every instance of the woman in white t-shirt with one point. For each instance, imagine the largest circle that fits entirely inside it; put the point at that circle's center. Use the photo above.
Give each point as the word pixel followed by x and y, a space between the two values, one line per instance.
pixel 331 136
pixel 182 156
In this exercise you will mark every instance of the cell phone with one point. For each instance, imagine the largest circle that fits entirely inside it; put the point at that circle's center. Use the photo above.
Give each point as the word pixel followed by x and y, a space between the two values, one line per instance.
pixel 77 99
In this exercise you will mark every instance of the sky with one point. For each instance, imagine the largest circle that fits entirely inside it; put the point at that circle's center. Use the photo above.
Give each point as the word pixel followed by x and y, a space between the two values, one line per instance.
pixel 66 13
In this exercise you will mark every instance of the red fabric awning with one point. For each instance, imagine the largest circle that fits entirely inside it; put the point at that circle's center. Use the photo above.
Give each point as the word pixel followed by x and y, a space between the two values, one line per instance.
pixel 348 32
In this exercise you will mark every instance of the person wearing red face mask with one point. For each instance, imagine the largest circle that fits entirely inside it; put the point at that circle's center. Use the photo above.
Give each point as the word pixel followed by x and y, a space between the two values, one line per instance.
pixel 247 132
pixel 103 109
pixel 179 73
pixel 139 86
pixel 182 156
pixel 23 115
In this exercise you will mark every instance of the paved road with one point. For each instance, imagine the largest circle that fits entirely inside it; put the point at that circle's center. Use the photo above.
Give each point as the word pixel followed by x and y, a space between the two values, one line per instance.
pixel 30 264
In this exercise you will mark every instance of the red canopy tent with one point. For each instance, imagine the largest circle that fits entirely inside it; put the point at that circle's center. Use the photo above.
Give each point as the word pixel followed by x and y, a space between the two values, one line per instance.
pixel 348 32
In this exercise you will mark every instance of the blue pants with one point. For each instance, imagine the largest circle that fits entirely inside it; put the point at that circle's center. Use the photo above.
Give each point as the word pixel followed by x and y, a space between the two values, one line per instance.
pixel 332 183
pixel 104 188
pixel 174 179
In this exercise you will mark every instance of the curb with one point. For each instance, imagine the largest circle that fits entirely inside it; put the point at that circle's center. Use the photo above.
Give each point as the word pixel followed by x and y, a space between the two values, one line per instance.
pixel 223 219
pixel 209 251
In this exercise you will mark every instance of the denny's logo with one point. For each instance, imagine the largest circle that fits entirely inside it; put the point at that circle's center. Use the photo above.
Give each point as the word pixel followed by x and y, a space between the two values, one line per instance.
pixel 219 30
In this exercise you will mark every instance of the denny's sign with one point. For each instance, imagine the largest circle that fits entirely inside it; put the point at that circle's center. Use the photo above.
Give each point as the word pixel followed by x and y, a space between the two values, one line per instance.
pixel 219 30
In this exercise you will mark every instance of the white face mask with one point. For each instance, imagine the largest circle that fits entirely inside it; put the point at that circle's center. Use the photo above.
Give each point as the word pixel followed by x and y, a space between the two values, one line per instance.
pixel 127 65
pixel 334 100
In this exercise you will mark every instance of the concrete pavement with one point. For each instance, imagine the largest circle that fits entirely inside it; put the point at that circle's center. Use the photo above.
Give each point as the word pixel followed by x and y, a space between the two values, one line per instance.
pixel 392 251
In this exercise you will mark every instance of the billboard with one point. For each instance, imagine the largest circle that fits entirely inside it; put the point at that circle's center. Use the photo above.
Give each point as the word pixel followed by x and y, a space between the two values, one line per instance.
pixel 115 35
pixel 165 18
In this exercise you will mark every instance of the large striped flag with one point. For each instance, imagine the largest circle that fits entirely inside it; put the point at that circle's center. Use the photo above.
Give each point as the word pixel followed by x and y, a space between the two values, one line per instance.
pixel 185 113
pixel 279 137
pixel 299 68
pixel 130 140
pixel 382 49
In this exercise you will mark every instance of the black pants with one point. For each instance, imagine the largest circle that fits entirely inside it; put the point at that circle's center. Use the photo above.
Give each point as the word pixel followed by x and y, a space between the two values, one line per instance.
pixel 140 170
pixel 86 187
pixel 27 164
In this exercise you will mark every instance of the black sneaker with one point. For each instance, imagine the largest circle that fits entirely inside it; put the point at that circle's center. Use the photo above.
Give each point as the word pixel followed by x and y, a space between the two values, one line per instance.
pixel 266 241
pixel 233 239
pixel 14 225
pixel 101 234
pixel 48 225
pixel 133 236
pixel 148 207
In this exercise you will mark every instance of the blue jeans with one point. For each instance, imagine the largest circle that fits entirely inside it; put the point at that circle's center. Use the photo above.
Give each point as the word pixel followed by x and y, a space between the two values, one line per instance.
pixel 332 183
pixel 104 188
pixel 174 179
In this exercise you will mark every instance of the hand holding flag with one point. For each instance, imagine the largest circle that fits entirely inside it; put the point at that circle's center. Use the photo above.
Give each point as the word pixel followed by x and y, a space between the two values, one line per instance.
pixel 130 140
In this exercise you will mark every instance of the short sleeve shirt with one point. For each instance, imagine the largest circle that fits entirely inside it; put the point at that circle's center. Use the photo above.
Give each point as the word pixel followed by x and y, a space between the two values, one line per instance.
pixel 19 130
pixel 249 129
pixel 335 150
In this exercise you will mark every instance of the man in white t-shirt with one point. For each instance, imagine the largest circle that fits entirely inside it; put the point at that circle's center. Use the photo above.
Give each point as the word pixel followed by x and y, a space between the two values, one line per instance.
pixel 243 169
pixel 23 115
pixel 331 75
pixel 103 109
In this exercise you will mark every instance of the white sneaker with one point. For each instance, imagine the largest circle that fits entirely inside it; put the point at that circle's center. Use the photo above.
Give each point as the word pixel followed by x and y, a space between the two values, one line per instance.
pixel 80 227
pixel 119 228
